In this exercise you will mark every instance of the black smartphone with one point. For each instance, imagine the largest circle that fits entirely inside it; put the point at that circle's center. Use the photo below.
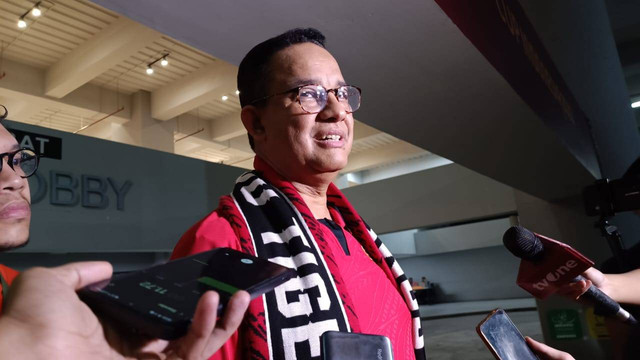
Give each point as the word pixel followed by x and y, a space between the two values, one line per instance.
pixel 503 338
pixel 160 301
pixel 337 345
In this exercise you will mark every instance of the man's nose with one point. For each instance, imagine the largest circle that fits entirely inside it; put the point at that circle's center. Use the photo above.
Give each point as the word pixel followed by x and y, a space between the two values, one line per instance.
pixel 334 110
pixel 9 179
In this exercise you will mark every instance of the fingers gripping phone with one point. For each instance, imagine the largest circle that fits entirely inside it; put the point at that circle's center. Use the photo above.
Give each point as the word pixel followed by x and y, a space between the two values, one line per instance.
pixel 502 337
pixel 160 301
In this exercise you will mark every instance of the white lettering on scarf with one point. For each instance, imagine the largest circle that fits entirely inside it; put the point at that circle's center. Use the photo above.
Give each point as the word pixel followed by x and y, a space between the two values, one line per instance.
pixel 297 284
pixel 303 305
pixel 306 333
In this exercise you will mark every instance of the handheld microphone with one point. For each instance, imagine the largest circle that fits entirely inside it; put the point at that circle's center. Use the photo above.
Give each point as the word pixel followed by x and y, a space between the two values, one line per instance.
pixel 548 264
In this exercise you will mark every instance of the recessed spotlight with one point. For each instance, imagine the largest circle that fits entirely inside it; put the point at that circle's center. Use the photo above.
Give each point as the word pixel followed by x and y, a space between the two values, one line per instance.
pixel 149 70
pixel 164 61
pixel 237 92
pixel 224 97
pixel 22 24
pixel 635 104
pixel 36 11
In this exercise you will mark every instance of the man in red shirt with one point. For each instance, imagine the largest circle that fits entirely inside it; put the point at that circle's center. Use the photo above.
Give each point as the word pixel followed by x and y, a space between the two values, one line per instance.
pixel 298 112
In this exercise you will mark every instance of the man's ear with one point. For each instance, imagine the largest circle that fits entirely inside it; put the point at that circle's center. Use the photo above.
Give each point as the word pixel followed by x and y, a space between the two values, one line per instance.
pixel 250 116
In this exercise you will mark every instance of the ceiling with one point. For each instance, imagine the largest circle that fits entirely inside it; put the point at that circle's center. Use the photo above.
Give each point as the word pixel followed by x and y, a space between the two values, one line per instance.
pixel 625 24
pixel 427 84
pixel 78 66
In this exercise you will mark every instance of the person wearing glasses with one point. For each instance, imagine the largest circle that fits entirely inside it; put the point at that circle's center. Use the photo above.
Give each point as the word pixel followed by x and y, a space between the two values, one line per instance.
pixel 43 318
pixel 298 110
pixel 16 165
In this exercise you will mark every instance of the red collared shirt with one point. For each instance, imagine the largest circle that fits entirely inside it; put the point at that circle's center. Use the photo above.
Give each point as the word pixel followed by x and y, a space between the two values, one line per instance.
pixel 8 274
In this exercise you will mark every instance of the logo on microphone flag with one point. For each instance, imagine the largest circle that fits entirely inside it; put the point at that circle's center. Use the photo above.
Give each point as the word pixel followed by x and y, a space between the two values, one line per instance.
pixel 560 264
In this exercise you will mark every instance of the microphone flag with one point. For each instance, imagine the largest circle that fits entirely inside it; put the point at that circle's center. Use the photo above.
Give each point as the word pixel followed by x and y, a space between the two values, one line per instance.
pixel 559 265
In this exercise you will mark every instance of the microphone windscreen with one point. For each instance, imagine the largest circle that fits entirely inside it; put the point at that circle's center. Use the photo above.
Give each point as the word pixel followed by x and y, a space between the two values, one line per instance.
pixel 523 243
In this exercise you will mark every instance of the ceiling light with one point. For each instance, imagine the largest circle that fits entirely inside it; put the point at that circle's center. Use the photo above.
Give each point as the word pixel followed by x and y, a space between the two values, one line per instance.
pixel 36 11
pixel 237 92
pixel 162 60
pixel 224 97
pixel 635 104
pixel 22 24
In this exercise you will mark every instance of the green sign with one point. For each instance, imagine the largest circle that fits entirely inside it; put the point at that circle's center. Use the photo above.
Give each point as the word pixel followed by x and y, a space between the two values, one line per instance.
pixel 564 324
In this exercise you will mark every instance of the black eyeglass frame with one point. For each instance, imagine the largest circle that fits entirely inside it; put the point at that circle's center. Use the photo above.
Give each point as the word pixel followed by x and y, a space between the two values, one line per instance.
pixel 297 89
pixel 11 155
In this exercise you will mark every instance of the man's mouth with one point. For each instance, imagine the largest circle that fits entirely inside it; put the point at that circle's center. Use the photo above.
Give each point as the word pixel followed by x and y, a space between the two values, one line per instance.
pixel 15 210
pixel 331 138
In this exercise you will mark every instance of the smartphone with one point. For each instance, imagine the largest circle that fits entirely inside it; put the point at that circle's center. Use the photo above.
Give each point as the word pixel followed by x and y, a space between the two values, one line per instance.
pixel 160 301
pixel 337 345
pixel 502 337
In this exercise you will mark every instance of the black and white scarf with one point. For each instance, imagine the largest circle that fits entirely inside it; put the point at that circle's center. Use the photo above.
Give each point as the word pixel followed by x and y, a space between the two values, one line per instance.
pixel 282 229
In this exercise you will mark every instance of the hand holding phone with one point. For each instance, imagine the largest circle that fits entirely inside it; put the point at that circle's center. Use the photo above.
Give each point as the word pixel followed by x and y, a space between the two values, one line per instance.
pixel 159 302
pixel 502 337
pixel 546 351
pixel 48 321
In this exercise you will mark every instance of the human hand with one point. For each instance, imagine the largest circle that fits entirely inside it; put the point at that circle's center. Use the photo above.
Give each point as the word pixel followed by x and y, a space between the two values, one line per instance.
pixel 206 334
pixel 592 277
pixel 545 352
pixel 44 318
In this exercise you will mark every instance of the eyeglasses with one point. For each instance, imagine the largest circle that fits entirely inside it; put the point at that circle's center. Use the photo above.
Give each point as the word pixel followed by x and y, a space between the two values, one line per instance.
pixel 313 98
pixel 23 161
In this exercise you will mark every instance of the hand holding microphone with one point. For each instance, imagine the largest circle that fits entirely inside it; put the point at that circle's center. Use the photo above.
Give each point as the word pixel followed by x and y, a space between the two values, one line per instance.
pixel 592 277
pixel 547 266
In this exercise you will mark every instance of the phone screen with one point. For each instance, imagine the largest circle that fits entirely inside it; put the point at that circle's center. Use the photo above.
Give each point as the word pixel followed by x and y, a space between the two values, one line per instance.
pixel 160 301
pixel 503 338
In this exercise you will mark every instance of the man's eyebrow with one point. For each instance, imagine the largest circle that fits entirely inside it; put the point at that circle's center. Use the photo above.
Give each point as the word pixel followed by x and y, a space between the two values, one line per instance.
pixel 301 82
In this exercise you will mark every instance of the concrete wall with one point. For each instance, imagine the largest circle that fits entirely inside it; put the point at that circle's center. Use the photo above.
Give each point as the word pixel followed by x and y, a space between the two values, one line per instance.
pixel 440 196
pixel 443 195
pixel 462 237
pixel 168 194
pixel 477 274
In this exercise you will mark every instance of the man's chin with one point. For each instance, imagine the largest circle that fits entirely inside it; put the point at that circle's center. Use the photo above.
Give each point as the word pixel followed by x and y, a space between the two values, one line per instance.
pixel 328 170
pixel 330 166
pixel 6 246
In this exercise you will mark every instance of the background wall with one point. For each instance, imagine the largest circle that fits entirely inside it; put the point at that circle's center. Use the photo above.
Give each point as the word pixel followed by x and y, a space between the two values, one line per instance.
pixel 442 195
pixel 469 275
pixel 468 261
pixel 168 194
